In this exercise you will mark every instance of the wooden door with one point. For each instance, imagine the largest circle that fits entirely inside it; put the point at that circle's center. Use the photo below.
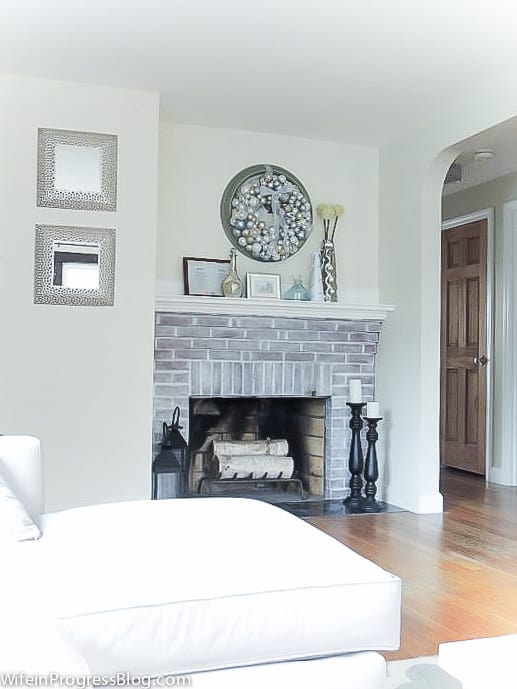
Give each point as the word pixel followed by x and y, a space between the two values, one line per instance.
pixel 463 347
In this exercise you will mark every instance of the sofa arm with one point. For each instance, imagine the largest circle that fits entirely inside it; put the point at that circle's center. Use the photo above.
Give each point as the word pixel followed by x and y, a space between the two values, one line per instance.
pixel 22 467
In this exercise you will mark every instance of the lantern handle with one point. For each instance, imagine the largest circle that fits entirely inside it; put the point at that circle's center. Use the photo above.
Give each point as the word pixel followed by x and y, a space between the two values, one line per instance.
pixel 176 418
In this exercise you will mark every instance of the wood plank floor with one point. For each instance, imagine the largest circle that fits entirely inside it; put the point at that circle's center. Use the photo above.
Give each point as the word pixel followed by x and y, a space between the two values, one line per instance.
pixel 459 569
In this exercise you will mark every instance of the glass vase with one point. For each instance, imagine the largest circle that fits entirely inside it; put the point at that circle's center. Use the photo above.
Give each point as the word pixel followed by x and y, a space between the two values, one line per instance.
pixel 297 291
pixel 232 284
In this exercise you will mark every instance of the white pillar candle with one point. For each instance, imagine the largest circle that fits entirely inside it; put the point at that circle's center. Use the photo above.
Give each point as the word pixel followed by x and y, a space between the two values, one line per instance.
pixel 373 410
pixel 356 390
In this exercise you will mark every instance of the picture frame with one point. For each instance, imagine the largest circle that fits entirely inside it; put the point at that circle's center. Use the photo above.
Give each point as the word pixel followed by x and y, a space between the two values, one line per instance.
pixel 77 170
pixel 92 247
pixel 263 285
pixel 203 277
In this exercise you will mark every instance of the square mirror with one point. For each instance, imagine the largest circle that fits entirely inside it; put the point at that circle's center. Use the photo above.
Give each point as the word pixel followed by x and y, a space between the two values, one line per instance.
pixel 77 170
pixel 74 265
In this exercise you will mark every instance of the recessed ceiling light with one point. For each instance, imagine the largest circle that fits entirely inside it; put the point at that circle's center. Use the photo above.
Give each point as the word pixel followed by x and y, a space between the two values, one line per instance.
pixel 483 154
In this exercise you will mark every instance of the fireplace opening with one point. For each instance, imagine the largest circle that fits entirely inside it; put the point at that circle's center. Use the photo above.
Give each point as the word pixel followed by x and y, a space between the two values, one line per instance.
pixel 236 447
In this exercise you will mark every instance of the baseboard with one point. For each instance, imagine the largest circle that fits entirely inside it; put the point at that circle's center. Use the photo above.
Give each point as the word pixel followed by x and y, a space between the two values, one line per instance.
pixel 500 476
pixel 426 503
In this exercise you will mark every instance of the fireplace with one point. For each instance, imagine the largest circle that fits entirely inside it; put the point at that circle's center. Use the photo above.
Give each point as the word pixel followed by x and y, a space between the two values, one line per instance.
pixel 300 421
pixel 264 363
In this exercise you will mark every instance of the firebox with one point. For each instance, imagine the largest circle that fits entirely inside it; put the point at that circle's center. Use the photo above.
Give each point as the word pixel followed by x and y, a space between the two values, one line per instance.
pixel 283 439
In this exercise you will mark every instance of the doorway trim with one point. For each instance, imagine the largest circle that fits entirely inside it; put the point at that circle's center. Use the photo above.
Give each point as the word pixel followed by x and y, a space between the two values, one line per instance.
pixel 506 474
pixel 491 473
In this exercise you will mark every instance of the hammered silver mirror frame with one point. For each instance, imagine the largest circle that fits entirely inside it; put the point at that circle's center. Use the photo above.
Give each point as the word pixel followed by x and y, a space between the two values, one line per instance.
pixel 104 199
pixel 45 292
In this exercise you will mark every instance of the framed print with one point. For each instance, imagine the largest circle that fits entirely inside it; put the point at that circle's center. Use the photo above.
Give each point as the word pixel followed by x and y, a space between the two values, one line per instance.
pixel 203 277
pixel 263 286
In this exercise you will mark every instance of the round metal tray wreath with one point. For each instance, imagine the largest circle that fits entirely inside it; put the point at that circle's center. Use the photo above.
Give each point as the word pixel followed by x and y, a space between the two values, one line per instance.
pixel 266 213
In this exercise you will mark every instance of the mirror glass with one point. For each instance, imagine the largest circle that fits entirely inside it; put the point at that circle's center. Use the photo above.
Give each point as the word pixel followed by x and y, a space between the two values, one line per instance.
pixel 78 168
pixel 76 265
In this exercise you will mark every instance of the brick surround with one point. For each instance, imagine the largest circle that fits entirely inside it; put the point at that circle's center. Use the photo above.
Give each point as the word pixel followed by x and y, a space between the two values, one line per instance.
pixel 232 356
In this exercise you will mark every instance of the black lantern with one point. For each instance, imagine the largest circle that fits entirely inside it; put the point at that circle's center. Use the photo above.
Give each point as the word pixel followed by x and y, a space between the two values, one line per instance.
pixel 170 465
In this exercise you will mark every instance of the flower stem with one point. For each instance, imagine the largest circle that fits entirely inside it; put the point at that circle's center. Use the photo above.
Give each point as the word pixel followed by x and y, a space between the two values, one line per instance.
pixel 334 228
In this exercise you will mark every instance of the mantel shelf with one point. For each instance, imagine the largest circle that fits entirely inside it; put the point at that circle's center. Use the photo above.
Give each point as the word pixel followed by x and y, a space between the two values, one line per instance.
pixel 270 307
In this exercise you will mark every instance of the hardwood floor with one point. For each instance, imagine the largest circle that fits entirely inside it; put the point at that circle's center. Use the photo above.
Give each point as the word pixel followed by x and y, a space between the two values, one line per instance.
pixel 459 569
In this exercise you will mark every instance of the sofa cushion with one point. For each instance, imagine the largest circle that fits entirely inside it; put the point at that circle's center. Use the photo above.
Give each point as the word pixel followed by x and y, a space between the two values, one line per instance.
pixel 180 586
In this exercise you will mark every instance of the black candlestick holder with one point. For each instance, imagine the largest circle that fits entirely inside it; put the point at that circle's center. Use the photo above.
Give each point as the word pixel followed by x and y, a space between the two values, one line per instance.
pixel 355 461
pixel 371 467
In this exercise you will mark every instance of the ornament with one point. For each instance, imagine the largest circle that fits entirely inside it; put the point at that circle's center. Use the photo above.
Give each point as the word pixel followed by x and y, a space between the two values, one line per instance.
pixel 266 213
pixel 316 281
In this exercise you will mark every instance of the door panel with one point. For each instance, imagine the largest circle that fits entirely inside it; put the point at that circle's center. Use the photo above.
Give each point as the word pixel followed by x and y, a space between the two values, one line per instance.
pixel 451 420
pixel 473 251
pixel 463 342
pixel 471 404
pixel 453 315
pixel 472 309
pixel 453 254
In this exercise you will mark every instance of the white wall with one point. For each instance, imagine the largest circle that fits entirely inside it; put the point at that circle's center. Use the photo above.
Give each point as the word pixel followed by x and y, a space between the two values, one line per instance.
pixel 490 194
pixel 411 177
pixel 80 378
pixel 96 424
pixel 196 163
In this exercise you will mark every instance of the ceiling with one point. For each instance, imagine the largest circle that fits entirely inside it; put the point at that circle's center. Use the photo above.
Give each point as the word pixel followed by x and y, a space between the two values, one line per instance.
pixel 339 70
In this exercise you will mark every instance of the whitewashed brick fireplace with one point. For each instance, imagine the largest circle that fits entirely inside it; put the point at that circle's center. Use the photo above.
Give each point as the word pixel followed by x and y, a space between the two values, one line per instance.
pixel 210 347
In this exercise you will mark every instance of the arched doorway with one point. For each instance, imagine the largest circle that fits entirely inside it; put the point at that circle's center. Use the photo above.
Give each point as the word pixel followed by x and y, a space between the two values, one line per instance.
pixel 409 276
pixel 487 190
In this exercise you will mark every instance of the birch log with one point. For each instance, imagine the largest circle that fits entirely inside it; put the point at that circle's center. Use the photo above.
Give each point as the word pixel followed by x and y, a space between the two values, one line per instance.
pixel 252 466
pixel 227 448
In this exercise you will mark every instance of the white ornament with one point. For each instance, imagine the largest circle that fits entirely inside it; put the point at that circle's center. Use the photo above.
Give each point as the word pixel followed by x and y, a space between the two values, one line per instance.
pixel 316 281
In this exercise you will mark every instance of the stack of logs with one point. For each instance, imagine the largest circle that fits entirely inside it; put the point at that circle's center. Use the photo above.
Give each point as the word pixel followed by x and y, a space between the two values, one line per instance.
pixel 257 459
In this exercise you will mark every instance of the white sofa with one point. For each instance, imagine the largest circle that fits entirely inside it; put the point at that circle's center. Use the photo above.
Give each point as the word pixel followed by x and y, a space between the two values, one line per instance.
pixel 230 592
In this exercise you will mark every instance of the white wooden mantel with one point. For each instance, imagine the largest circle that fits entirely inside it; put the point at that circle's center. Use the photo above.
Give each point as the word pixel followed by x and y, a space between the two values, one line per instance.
pixel 271 307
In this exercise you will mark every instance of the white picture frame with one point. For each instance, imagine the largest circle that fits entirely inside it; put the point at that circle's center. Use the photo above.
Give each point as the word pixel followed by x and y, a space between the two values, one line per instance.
pixel 263 286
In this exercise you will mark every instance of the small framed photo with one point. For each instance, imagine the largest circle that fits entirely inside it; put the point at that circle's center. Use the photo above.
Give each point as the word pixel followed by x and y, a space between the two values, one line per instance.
pixel 263 286
pixel 203 277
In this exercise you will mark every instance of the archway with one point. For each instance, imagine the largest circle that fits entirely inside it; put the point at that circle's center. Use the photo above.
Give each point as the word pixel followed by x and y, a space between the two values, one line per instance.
pixel 412 172
pixel 488 187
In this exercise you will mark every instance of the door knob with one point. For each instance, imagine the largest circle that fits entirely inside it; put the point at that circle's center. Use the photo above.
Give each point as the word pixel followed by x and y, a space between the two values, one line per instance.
pixel 480 360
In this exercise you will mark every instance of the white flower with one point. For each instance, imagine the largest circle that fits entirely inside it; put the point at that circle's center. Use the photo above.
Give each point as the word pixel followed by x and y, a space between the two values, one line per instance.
pixel 325 211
